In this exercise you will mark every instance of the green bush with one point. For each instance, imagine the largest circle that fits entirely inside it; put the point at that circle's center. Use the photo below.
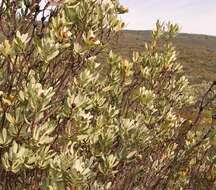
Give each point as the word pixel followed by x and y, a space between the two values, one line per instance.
pixel 69 122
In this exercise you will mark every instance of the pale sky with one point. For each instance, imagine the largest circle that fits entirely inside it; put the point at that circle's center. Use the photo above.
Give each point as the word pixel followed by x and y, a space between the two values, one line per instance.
pixel 193 16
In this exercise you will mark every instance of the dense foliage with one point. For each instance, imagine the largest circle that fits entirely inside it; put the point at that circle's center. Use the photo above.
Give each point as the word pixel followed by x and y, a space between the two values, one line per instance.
pixel 69 121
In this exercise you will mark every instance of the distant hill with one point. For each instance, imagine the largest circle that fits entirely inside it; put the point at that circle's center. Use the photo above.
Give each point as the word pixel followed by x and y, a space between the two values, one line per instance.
pixel 197 53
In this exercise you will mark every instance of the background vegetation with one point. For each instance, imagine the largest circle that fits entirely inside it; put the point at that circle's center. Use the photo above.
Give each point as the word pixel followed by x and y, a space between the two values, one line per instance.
pixel 197 53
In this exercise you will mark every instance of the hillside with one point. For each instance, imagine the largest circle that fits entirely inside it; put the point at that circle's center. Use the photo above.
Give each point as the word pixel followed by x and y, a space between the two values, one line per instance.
pixel 197 53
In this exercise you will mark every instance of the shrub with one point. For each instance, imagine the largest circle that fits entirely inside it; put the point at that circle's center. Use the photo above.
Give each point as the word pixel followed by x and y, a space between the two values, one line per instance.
pixel 68 121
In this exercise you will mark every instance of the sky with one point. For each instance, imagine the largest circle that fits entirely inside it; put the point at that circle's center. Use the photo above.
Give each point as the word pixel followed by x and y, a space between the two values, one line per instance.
pixel 193 16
